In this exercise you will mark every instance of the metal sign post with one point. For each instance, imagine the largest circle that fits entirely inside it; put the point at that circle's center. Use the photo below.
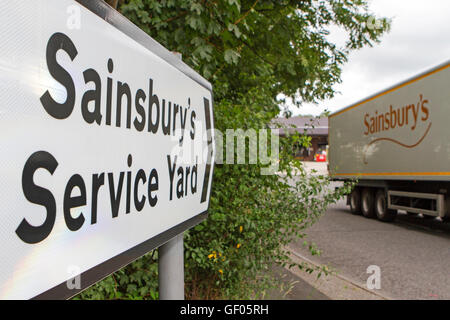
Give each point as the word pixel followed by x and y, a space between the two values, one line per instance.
pixel 171 269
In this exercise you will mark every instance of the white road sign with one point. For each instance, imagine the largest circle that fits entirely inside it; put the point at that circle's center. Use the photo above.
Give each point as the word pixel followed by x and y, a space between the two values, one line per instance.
pixel 105 148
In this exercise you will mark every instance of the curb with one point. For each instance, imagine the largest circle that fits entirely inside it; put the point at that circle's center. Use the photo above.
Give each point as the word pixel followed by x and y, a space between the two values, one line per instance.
pixel 344 278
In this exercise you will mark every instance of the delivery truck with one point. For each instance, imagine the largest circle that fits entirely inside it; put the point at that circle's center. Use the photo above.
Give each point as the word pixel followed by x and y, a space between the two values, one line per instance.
pixel 395 145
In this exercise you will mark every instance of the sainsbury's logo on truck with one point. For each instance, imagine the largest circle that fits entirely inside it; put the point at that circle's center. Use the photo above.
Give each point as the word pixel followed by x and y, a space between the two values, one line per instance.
pixel 406 116
pixel 402 116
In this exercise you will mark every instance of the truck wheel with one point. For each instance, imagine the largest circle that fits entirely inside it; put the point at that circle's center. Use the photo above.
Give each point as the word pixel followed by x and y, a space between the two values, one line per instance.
pixel 368 203
pixel 355 201
pixel 383 213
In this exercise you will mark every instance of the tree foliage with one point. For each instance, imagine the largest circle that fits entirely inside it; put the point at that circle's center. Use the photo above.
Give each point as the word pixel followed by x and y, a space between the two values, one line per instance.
pixel 282 45
pixel 251 51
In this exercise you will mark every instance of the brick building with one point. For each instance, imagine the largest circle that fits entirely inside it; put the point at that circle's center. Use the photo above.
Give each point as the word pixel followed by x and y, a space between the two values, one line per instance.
pixel 316 128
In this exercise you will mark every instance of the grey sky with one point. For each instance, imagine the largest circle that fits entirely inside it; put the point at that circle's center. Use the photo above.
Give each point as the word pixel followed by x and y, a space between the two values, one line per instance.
pixel 419 39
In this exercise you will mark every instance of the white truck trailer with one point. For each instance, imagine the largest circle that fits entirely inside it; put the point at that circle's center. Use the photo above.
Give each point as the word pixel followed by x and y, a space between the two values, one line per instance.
pixel 396 145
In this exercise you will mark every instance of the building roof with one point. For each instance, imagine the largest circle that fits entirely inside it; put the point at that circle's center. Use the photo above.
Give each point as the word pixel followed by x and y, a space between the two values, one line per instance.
pixel 312 125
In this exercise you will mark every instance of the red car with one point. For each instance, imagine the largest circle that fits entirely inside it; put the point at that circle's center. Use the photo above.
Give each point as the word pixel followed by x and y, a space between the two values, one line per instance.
pixel 320 157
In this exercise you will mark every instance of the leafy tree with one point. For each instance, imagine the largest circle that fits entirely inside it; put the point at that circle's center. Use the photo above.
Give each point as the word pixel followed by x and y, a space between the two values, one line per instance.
pixel 251 51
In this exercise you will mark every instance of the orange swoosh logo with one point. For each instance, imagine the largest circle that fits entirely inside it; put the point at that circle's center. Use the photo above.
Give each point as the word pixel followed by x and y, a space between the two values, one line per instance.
pixel 396 142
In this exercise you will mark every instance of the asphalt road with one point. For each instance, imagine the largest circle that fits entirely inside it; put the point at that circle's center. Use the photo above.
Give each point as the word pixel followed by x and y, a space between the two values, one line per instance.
pixel 413 254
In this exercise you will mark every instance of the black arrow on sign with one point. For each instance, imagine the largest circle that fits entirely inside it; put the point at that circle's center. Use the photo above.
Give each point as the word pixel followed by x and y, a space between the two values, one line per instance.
pixel 210 151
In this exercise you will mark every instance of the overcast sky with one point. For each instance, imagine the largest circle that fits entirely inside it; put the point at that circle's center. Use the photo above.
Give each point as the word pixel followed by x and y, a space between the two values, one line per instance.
pixel 419 39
